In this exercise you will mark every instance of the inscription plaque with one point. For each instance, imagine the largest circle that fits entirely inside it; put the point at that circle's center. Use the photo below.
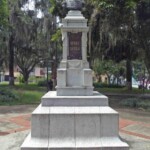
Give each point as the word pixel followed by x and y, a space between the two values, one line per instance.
pixel 74 45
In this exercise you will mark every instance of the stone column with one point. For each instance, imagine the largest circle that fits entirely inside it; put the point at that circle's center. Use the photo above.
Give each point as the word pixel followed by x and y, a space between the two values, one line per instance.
pixel 84 46
pixel 65 44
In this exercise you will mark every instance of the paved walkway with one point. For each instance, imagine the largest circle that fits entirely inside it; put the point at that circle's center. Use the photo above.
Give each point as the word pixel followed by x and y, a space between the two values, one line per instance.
pixel 134 128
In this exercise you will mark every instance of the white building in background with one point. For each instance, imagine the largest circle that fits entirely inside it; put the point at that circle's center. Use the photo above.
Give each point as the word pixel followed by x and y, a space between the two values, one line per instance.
pixel 135 83
pixel 39 72
pixel 1 77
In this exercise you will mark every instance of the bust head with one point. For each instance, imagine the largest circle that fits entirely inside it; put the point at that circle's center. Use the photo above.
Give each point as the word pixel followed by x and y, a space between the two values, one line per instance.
pixel 73 4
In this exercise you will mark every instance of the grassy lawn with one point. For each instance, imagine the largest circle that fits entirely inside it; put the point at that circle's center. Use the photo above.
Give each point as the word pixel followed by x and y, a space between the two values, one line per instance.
pixel 21 94
pixel 122 91
pixel 122 98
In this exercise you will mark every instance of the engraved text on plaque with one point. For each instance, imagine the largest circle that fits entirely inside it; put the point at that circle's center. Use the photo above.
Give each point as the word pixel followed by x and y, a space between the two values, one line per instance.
pixel 75 45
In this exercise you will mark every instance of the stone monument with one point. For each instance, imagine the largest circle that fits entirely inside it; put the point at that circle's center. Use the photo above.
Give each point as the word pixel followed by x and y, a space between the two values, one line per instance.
pixel 74 117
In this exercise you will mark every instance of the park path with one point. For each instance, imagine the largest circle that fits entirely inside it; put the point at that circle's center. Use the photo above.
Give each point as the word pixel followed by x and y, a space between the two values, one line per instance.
pixel 21 122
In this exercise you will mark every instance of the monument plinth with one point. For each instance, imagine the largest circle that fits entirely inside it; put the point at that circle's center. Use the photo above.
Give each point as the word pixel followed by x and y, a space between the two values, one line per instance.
pixel 74 77
pixel 74 117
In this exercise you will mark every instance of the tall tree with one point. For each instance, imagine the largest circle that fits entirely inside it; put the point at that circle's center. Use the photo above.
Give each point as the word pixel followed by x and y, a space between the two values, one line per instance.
pixel 142 29
pixel 3 14
pixel 13 8
pixel 3 32
pixel 112 24
pixel 27 54
pixel 31 39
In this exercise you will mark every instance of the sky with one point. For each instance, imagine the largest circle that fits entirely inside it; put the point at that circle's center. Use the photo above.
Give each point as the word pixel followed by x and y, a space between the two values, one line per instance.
pixel 31 6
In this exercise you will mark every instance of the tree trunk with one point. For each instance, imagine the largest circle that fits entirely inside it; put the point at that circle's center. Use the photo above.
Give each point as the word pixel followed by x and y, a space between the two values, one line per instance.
pixel 129 74
pixel 11 61
pixel 147 62
pixel 108 79
pixel 26 77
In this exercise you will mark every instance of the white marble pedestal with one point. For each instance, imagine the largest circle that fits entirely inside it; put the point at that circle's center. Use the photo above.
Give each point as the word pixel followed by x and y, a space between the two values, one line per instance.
pixel 85 123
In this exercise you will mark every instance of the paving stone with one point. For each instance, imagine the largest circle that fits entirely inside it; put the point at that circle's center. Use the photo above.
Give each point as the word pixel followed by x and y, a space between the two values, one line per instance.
pixel 144 130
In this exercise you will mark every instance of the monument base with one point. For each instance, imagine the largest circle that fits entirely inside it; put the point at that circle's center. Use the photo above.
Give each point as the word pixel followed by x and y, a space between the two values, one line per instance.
pixel 74 127
pixel 104 144
pixel 74 91
pixel 51 99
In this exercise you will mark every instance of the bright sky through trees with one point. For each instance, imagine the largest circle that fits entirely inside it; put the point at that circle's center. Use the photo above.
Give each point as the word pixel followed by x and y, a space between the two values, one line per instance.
pixel 31 6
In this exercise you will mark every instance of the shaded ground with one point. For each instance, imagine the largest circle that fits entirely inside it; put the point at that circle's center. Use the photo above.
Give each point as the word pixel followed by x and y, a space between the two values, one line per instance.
pixel 17 109
pixel 15 125
pixel 135 102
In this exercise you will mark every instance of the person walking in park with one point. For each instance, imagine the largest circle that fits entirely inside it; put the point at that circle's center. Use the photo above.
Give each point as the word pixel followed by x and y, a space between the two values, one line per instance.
pixel 50 85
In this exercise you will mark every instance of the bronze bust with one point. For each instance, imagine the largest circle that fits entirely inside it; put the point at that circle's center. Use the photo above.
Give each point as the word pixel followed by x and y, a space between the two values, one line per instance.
pixel 73 4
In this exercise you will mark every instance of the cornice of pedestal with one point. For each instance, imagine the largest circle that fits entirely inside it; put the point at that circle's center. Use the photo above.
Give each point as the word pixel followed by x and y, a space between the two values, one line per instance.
pixel 74 14
pixel 75 29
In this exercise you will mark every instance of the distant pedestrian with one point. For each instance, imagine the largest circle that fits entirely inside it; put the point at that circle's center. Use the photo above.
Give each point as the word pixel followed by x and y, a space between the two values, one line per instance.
pixel 50 85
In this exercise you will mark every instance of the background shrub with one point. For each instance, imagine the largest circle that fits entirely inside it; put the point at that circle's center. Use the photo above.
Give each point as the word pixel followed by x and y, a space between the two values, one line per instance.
pixel 130 102
pixel 42 83
pixel 7 96
pixel 20 79
pixel 104 85
pixel 136 103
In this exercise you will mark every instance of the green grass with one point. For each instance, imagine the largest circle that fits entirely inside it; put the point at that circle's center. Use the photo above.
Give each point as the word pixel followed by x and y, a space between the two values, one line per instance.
pixel 31 94
pixel 20 86
pixel 122 91
pixel 27 94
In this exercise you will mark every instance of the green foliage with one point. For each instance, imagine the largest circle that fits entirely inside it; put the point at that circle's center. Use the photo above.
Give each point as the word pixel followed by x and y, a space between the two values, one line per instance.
pixel 136 103
pixel 103 67
pixel 3 32
pixel 112 4
pixel 53 6
pixel 101 4
pixel 109 68
pixel 3 14
pixel 56 8
pixel 24 87
pixel 120 29
pixel 21 79
pixel 30 97
pixel 130 102
pixel 139 70
pixel 103 85
pixel 98 67
pixel 42 83
pixel 121 90
pixel 131 4
pixel 21 94
pixel 144 104
pixel 142 29
pixel 7 96
pixel 56 36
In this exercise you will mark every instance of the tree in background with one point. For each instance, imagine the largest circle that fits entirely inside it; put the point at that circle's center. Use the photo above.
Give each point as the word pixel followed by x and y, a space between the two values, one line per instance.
pixel 3 32
pixel 113 25
pixel 119 31
pixel 27 52
pixel 3 14
pixel 142 29
pixel 13 7
pixel 109 68
pixel 29 36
